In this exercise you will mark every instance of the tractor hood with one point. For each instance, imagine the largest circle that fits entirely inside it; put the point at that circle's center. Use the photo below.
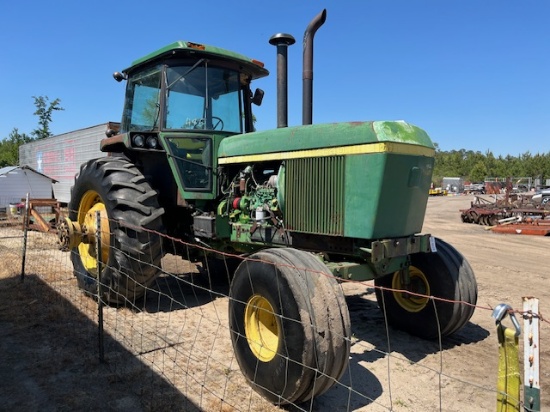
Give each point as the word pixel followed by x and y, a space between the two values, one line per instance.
pixel 327 140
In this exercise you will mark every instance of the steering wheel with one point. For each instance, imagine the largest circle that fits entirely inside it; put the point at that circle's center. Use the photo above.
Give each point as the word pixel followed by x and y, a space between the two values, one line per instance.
pixel 218 122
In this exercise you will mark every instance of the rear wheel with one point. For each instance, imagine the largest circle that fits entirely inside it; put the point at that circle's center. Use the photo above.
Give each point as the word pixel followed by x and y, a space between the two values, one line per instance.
pixel 444 274
pixel 130 225
pixel 290 325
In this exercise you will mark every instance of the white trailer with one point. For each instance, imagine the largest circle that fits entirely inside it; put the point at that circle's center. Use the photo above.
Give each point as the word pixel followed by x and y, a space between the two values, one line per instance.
pixel 60 156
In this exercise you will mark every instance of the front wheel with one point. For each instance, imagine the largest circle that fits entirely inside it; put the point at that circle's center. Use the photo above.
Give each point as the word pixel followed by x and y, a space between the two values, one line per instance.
pixel 290 325
pixel 444 274
pixel 130 225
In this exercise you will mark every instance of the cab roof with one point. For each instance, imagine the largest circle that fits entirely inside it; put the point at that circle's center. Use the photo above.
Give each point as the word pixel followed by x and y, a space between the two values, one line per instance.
pixel 197 50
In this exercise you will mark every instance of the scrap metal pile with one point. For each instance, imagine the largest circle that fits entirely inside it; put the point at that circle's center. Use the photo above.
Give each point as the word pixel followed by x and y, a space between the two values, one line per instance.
pixel 513 213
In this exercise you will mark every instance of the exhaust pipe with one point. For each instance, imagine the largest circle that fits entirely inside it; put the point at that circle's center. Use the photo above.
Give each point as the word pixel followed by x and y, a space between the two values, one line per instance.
pixel 282 41
pixel 307 96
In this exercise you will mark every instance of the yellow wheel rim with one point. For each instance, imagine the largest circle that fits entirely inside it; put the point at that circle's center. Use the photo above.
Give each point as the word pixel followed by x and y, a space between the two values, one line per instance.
pixel 418 284
pixel 261 328
pixel 90 204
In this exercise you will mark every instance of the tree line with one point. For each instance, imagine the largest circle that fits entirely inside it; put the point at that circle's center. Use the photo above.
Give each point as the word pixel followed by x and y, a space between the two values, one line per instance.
pixel 9 145
pixel 476 166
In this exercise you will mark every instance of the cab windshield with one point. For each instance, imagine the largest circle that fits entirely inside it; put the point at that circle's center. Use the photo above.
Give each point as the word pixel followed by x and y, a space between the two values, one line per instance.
pixel 197 96
pixel 200 97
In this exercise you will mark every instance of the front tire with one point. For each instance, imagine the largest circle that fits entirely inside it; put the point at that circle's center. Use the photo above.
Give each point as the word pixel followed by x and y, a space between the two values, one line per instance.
pixel 290 325
pixel 444 274
pixel 130 225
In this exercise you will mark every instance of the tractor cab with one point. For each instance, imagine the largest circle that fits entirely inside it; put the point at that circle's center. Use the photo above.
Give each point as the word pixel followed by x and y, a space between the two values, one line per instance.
pixel 181 102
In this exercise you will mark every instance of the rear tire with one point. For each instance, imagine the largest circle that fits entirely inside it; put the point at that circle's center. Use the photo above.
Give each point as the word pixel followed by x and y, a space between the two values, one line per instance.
pixel 444 274
pixel 289 325
pixel 131 254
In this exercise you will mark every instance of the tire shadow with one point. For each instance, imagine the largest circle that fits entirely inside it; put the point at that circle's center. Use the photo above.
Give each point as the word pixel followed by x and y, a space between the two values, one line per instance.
pixel 344 396
pixel 369 325
pixel 176 291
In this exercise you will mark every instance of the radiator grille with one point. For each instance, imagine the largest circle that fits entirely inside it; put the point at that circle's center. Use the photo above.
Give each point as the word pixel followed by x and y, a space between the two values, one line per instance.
pixel 314 198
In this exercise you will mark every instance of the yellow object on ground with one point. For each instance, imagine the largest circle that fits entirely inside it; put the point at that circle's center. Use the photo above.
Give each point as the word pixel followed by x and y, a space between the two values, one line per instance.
pixel 509 380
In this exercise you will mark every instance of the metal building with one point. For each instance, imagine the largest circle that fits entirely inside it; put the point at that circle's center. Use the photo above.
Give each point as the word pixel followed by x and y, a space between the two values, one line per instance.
pixel 60 156
pixel 18 181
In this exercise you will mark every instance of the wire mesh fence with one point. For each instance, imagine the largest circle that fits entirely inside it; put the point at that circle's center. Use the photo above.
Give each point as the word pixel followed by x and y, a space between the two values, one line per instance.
pixel 181 335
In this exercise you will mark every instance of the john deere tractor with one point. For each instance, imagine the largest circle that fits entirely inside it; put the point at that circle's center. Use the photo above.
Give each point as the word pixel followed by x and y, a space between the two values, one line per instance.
pixel 305 205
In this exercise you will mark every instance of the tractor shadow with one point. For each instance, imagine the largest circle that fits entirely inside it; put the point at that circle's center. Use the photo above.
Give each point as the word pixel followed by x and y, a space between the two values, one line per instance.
pixel 369 325
pixel 185 286
pixel 49 356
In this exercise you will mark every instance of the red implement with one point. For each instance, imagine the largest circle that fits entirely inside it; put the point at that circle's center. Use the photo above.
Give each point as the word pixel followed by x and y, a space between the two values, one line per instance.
pixel 537 227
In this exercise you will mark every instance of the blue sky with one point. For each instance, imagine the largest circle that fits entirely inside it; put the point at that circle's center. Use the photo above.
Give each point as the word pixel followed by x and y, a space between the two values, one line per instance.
pixel 475 74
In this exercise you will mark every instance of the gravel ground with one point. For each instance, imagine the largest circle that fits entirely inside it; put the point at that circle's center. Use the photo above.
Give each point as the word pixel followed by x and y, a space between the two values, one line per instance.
pixel 48 337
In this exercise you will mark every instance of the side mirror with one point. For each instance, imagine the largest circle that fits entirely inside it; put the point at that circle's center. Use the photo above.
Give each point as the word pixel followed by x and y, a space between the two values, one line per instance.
pixel 119 76
pixel 258 97
pixel 111 132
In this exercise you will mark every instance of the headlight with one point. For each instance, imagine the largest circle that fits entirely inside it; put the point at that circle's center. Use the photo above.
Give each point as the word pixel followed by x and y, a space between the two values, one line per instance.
pixel 151 142
pixel 139 140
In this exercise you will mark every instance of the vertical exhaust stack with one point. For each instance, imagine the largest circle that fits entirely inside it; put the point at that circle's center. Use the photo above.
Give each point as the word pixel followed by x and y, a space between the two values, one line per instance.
pixel 307 97
pixel 282 41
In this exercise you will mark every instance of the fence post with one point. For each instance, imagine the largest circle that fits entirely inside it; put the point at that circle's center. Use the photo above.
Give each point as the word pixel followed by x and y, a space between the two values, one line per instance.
pixel 99 289
pixel 531 354
pixel 25 230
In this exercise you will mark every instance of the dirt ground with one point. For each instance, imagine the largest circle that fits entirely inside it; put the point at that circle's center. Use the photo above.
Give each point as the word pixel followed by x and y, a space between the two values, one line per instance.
pixel 49 356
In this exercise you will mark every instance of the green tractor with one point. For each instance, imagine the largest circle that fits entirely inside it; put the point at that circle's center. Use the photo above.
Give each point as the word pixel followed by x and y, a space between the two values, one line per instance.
pixel 305 205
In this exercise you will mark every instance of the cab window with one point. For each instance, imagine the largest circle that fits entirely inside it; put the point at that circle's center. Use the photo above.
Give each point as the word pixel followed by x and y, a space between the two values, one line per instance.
pixel 141 106
pixel 193 158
